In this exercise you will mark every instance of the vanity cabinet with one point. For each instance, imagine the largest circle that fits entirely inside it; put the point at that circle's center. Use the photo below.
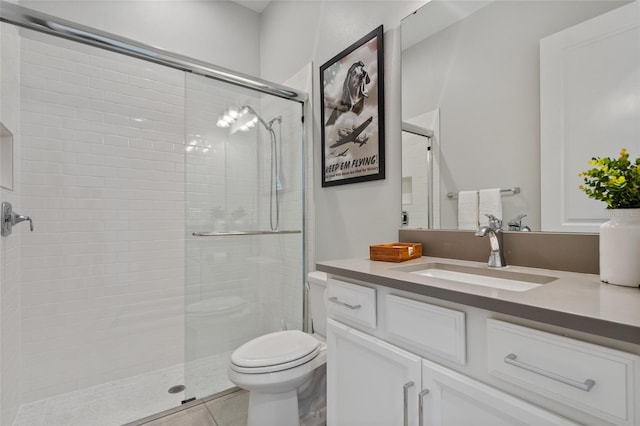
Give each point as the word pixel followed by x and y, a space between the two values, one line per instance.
pixel 591 378
pixel 371 381
pixel 368 380
pixel 452 399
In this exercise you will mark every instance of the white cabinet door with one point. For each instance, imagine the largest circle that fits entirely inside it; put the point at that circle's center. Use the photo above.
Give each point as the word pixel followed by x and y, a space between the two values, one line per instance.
pixel 457 400
pixel 589 107
pixel 368 379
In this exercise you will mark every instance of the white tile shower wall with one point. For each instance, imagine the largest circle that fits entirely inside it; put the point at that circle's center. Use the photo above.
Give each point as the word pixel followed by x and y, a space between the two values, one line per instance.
pixel 10 246
pixel 103 178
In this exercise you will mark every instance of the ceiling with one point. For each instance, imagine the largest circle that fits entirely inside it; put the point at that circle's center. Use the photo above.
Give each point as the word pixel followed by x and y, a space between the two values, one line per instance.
pixel 255 5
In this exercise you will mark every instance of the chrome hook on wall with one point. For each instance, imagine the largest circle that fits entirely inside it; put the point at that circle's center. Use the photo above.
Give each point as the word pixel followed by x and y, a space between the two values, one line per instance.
pixel 10 218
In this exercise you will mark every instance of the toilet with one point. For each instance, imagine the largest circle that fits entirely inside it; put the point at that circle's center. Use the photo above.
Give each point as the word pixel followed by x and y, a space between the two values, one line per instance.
pixel 276 366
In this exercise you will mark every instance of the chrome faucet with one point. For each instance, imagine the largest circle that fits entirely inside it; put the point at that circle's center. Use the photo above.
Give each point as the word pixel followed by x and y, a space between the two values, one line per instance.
pixel 496 257
pixel 515 224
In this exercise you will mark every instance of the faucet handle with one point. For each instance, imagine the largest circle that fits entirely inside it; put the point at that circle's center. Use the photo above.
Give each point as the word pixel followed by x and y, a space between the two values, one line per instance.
pixel 515 224
pixel 9 218
pixel 494 222
pixel 20 218
pixel 17 218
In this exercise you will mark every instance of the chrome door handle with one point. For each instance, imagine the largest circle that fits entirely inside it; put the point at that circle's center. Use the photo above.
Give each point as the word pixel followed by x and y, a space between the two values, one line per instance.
pixel 405 400
pixel 421 396
pixel 586 386
pixel 336 301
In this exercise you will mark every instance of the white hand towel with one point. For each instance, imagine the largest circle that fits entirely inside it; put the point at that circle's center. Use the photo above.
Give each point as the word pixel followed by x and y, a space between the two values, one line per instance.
pixel 468 210
pixel 490 203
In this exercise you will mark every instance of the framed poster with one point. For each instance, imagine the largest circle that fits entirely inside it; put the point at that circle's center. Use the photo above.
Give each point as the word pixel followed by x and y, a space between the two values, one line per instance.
pixel 352 113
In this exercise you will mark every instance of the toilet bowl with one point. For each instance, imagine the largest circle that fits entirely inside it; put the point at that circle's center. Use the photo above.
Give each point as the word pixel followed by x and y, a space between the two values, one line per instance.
pixel 275 366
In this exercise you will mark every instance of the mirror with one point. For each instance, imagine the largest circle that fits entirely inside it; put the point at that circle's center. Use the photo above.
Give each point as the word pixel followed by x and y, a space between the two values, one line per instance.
pixel 479 64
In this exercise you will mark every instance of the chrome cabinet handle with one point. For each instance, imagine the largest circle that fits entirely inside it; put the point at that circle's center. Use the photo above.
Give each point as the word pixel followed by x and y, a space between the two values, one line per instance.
pixel 586 386
pixel 336 301
pixel 405 407
pixel 421 396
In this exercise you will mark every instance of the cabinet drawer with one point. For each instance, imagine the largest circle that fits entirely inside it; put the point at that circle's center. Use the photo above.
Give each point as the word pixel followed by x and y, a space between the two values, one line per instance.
pixel 351 302
pixel 434 329
pixel 592 378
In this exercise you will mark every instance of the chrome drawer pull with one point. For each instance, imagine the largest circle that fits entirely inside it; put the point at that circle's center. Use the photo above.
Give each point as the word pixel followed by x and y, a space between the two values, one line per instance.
pixel 421 396
pixel 336 301
pixel 405 407
pixel 585 386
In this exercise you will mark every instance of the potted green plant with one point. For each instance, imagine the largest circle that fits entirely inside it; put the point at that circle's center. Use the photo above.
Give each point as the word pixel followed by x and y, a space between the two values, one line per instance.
pixel 616 182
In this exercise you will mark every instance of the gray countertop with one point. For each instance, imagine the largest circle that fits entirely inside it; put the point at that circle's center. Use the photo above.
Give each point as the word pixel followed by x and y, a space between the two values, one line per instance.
pixel 574 300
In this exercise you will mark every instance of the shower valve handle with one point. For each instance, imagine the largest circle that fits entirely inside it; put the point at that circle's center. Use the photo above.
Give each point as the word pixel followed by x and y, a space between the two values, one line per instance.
pixel 9 218
pixel 17 218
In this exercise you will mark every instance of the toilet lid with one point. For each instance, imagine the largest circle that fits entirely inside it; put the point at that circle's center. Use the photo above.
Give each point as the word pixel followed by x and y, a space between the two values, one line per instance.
pixel 275 351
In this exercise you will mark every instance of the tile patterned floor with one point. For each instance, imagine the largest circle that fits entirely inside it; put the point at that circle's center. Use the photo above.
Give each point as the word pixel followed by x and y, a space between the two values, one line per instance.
pixel 118 402
pixel 229 410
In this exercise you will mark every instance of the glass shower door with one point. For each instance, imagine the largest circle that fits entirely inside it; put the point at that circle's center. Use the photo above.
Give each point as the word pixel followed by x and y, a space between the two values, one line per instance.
pixel 244 224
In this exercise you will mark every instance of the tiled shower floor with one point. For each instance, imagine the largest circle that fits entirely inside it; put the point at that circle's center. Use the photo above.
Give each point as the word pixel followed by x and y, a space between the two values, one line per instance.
pixel 122 401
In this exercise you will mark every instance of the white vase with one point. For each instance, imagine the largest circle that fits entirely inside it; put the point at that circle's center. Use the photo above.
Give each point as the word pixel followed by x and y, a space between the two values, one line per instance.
pixel 620 248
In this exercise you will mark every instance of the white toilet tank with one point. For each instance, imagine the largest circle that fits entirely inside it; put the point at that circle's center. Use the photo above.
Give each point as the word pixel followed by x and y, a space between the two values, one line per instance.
pixel 317 301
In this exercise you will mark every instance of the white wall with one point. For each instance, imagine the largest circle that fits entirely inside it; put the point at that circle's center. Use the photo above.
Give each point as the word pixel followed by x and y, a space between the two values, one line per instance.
pixel 219 32
pixel 10 246
pixel 351 217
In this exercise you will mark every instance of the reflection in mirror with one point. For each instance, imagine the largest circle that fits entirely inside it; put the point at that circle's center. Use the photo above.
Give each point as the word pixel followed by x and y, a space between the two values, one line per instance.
pixel 478 63
pixel 417 175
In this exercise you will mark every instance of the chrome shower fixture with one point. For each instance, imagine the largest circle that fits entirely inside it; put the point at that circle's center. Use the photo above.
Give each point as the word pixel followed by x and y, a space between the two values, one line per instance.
pixel 267 125
pixel 245 118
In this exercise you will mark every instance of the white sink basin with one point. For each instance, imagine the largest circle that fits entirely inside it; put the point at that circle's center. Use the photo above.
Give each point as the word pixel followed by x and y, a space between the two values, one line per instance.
pixel 500 279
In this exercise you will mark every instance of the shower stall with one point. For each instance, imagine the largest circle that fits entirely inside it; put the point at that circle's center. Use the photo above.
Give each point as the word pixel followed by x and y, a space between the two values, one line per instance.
pixel 167 199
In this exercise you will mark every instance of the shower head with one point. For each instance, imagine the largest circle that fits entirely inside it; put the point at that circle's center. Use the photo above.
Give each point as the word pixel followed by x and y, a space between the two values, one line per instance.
pixel 417 130
pixel 267 125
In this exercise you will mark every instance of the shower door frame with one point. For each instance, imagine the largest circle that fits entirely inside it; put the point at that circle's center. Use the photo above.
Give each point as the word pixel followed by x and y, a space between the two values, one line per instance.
pixel 28 18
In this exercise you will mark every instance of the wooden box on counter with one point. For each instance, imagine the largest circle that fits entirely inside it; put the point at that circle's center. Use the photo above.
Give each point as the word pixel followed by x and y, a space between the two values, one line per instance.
pixel 395 252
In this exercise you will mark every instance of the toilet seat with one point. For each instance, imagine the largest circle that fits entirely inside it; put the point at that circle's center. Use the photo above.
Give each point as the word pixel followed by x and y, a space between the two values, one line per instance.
pixel 273 352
